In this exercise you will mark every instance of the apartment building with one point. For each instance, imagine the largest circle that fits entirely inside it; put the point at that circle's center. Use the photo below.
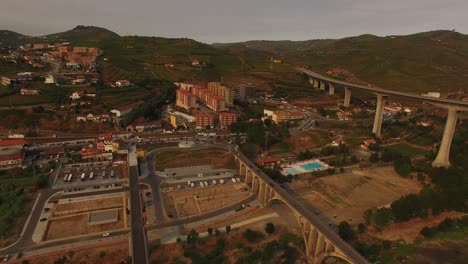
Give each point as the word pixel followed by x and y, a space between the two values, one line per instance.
pixel 215 103
pixel 225 92
pixel 244 91
pixel 185 99
pixel 227 118
pixel 204 121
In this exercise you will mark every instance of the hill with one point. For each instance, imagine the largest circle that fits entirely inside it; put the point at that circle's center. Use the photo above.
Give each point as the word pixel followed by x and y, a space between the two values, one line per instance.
pixel 428 61
pixel 83 33
pixel 10 38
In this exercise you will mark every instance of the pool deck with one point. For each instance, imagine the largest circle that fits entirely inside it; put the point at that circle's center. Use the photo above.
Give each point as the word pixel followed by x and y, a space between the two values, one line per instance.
pixel 298 169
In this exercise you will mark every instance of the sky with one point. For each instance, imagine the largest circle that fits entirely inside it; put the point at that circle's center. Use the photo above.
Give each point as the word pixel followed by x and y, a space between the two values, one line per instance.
pixel 237 20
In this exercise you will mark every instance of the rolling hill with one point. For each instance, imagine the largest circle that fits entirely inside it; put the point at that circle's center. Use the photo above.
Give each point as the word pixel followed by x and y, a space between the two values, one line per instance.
pixel 428 61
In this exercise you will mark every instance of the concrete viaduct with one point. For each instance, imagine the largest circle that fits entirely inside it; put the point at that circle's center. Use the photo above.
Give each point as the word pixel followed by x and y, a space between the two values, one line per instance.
pixel 320 240
pixel 453 107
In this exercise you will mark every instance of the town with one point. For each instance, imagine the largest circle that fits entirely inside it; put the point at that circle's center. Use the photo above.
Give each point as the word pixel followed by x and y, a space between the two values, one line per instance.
pixel 128 149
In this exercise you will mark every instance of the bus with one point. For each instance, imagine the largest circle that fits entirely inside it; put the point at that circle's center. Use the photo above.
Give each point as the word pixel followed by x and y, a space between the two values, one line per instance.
pixel 70 177
pixel 91 175
pixel 83 176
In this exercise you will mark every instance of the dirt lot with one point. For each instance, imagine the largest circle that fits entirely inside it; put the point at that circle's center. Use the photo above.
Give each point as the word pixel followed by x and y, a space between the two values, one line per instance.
pixel 348 195
pixel 106 253
pixel 183 158
pixel 86 206
pixel 308 139
pixel 199 200
pixel 61 227
pixel 410 230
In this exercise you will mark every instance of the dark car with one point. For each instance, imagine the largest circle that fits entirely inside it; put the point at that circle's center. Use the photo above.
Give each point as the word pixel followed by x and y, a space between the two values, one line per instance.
pixel 43 219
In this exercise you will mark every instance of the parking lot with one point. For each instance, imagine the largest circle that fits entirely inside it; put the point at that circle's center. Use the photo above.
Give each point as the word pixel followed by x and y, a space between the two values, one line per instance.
pixel 74 177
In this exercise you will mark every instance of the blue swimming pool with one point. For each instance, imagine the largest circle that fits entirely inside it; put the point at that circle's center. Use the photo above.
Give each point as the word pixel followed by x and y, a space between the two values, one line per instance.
pixel 292 171
pixel 312 166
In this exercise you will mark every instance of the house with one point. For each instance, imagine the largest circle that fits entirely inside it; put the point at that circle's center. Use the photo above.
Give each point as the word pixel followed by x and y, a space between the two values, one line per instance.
pixel 367 143
pixel 9 160
pixel 343 115
pixel 125 109
pixel 24 91
pixel 7 80
pixel 269 162
pixel 76 95
pixel 204 120
pixel 11 151
pixel 49 79
pixel 122 83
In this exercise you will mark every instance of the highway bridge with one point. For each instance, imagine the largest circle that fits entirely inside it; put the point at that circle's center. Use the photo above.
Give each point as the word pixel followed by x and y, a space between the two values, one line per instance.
pixel 453 107
pixel 320 240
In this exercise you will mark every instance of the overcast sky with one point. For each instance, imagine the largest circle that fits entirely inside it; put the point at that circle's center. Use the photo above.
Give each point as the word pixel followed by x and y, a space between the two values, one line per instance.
pixel 237 20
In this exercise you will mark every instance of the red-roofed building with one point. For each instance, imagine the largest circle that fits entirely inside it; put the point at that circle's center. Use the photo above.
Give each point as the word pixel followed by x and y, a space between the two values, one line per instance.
pixel 9 160
pixel 227 118
pixel 125 109
pixel 13 142
pixel 269 162
pixel 367 143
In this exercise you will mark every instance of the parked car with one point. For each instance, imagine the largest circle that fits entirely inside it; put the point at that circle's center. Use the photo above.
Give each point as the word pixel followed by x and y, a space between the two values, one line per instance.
pixel 105 234
pixel 43 219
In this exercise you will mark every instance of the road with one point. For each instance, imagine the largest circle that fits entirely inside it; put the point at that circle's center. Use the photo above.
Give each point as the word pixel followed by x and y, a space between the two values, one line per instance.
pixel 139 247
pixel 322 227
pixel 463 105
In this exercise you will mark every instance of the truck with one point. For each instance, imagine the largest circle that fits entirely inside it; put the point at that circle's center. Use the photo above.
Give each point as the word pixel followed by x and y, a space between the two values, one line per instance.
pixel 221 181
pixel 206 183
pixel 214 182
pixel 83 175
pixel 233 180
pixel 91 175
pixel 201 184
pixel 112 174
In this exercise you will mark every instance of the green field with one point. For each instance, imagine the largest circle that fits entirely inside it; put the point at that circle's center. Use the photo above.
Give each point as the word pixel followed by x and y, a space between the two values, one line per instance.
pixel 407 150
pixel 47 94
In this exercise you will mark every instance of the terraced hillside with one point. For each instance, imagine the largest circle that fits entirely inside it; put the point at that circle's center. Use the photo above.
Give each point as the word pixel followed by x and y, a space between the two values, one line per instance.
pixel 429 61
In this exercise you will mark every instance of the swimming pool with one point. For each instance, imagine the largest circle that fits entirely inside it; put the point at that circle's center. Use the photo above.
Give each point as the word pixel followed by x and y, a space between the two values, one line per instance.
pixel 311 166
pixel 292 171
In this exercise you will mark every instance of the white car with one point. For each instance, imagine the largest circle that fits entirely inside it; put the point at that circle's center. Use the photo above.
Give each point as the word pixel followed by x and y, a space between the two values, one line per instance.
pixel 105 234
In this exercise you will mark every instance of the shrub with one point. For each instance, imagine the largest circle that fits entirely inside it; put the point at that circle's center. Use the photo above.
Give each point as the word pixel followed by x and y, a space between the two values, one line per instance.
pixel 270 228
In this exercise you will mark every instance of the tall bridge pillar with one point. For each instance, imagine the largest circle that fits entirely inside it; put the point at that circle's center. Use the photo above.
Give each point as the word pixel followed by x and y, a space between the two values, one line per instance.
pixel 331 89
pixel 322 85
pixel 442 158
pixel 379 111
pixel 316 84
pixel 347 96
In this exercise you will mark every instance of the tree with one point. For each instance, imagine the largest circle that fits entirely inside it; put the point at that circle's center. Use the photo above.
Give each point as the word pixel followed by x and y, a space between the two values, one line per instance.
pixel 270 228
pixel 361 228
pixel 217 232
pixel 210 231
pixel 71 253
pixel 228 229
pixel 374 157
pixel 383 216
pixel 192 237
pixel 346 231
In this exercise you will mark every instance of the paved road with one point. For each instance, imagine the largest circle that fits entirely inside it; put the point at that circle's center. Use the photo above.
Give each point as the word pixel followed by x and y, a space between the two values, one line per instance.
pixel 139 248
pixel 463 105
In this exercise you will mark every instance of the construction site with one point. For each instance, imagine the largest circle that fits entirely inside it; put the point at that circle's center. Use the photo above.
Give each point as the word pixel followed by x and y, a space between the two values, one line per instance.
pixel 86 215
